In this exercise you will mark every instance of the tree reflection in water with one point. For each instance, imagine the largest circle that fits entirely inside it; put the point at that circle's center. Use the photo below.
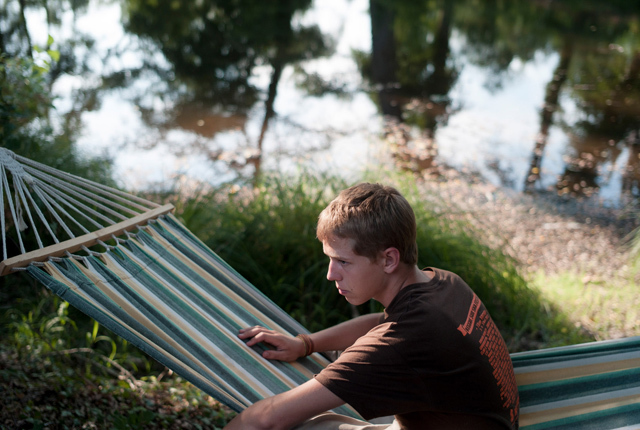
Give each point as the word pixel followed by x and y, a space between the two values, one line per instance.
pixel 196 64
pixel 213 48
pixel 599 74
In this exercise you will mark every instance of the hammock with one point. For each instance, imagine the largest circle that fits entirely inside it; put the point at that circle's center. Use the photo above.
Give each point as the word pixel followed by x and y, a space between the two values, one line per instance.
pixel 159 287
pixel 589 386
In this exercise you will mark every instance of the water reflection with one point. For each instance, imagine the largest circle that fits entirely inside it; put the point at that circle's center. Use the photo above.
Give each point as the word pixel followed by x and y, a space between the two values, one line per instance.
pixel 591 65
pixel 244 84
pixel 213 48
pixel 411 71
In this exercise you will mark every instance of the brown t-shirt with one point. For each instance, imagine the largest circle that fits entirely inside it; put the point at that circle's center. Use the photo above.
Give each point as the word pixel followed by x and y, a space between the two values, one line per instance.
pixel 436 361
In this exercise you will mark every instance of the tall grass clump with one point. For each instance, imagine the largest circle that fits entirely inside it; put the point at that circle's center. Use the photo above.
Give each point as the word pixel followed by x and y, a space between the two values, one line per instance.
pixel 268 235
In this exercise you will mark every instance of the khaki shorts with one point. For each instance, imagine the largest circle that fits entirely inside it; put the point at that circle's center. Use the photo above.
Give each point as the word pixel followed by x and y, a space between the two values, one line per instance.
pixel 331 421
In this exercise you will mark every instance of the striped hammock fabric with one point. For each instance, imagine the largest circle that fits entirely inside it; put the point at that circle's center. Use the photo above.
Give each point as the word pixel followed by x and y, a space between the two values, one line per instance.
pixel 162 289
pixel 589 386
pixel 167 293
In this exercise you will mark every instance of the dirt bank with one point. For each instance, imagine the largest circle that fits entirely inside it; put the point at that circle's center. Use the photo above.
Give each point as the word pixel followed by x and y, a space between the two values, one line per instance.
pixel 544 231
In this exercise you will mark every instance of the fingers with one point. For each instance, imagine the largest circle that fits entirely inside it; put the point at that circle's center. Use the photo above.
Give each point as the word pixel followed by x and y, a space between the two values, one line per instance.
pixel 252 331
pixel 256 335
pixel 274 354
pixel 286 348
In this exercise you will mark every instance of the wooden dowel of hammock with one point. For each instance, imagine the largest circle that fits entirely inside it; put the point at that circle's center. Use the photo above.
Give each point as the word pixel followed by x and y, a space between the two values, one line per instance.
pixel 90 239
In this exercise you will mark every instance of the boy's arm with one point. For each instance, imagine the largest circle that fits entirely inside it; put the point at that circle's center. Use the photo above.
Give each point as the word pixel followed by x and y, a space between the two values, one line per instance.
pixel 336 338
pixel 343 335
pixel 288 409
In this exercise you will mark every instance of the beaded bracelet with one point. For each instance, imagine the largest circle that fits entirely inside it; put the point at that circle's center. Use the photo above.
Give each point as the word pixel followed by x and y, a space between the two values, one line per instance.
pixel 308 344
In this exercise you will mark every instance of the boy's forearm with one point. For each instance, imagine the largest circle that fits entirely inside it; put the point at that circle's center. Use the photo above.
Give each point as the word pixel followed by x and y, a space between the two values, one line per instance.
pixel 343 335
pixel 285 410
pixel 250 419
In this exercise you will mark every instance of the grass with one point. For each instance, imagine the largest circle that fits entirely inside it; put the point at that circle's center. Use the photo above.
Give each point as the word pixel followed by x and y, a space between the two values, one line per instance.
pixel 604 311
pixel 54 391
pixel 53 359
pixel 59 369
pixel 268 235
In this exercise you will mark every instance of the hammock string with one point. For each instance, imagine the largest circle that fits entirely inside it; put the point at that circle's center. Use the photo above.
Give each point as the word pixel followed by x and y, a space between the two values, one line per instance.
pixel 112 194
pixel 38 212
pixel 91 252
pixel 44 198
pixel 17 190
pixel 2 228
pixel 49 203
pixel 51 196
pixel 89 198
pixel 11 206
pixel 20 175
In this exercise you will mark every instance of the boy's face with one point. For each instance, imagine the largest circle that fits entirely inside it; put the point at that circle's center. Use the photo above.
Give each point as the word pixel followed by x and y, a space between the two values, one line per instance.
pixel 357 278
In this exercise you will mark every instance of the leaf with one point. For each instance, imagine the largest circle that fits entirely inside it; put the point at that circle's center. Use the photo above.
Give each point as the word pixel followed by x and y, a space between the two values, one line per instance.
pixel 96 326
pixel 39 69
pixel 54 54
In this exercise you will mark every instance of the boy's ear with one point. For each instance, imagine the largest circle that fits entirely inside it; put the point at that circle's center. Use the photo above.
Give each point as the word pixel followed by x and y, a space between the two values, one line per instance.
pixel 391 258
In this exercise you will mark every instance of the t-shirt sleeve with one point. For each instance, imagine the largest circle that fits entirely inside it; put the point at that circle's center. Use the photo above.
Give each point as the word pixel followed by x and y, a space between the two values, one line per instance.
pixel 370 377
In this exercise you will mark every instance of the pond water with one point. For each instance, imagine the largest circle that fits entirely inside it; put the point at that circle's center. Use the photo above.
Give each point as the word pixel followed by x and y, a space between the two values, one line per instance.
pixel 534 96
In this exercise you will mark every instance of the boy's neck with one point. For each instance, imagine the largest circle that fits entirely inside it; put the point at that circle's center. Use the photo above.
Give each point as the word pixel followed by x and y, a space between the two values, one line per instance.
pixel 408 275
pixel 416 276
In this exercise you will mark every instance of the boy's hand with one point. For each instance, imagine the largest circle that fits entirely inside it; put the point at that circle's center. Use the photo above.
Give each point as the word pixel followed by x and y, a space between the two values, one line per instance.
pixel 287 348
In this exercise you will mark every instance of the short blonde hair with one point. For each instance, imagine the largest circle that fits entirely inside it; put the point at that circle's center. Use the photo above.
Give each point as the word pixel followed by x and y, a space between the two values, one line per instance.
pixel 376 217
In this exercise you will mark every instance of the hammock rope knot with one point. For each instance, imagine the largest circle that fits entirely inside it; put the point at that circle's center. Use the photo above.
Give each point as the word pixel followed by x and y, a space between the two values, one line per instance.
pixel 8 160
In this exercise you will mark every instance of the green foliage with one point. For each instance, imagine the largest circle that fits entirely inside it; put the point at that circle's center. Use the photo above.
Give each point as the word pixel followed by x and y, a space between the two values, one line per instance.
pixel 135 418
pixel 25 128
pixel 49 56
pixel 603 309
pixel 45 326
pixel 38 330
pixel 42 390
pixel 268 235
pixel 24 96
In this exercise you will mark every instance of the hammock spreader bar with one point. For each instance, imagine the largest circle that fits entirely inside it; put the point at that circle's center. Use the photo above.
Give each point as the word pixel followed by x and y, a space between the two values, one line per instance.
pixel 76 205
pixel 87 240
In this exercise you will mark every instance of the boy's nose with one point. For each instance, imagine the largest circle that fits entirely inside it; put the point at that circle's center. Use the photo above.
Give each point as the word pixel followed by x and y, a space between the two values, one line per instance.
pixel 332 274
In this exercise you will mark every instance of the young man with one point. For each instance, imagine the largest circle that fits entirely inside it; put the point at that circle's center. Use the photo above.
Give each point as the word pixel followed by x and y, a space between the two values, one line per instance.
pixel 434 358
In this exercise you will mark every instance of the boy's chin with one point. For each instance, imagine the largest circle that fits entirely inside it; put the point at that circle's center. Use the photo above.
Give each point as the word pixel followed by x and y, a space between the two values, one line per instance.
pixel 355 302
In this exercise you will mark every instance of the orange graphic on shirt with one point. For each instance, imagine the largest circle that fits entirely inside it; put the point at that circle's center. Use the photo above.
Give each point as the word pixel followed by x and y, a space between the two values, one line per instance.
pixel 467 327
pixel 492 346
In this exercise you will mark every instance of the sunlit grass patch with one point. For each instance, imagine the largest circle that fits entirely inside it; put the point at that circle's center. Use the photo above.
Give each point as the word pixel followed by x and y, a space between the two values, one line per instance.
pixel 606 309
